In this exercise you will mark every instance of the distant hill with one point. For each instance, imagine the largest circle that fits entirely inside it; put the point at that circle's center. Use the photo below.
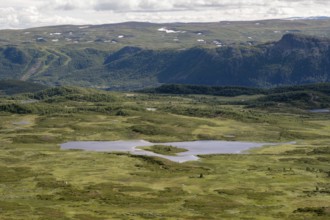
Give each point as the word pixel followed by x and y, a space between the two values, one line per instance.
pixel 294 59
pixel 180 89
pixel 11 87
pixel 302 96
pixel 157 36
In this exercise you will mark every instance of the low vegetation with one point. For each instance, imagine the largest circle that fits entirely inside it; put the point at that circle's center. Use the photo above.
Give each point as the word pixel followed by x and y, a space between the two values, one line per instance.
pixel 40 181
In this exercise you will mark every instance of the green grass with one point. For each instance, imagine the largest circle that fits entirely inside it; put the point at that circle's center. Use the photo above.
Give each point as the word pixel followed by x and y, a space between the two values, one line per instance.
pixel 40 181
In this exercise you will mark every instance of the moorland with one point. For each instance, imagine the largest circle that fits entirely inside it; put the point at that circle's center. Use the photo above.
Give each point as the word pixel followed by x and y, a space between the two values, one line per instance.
pixel 38 180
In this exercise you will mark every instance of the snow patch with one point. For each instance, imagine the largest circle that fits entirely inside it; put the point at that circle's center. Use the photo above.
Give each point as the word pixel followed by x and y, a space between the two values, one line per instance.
pixel 168 31
pixel 51 34
pixel 217 43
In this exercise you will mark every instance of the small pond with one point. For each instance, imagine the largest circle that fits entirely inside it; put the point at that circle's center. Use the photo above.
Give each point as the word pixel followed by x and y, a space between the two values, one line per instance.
pixel 194 148
pixel 23 122
pixel 319 111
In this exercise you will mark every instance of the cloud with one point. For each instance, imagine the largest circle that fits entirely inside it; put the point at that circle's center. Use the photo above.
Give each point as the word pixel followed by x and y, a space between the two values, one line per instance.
pixel 22 13
pixel 66 5
pixel 7 17
pixel 13 18
pixel 156 5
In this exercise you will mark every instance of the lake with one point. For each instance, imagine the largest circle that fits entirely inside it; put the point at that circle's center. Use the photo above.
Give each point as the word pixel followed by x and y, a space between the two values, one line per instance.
pixel 319 111
pixel 194 148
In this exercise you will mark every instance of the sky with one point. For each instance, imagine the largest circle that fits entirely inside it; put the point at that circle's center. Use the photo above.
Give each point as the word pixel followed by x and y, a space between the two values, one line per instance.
pixel 33 13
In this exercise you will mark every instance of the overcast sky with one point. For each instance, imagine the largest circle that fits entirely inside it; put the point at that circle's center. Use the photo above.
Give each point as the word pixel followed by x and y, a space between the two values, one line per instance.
pixel 31 13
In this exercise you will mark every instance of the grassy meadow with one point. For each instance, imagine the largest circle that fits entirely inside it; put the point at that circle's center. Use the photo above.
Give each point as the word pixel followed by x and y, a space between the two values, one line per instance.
pixel 40 181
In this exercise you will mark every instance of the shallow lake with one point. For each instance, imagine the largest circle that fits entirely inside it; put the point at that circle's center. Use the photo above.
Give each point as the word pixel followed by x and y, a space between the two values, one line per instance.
pixel 319 111
pixel 194 147
pixel 21 123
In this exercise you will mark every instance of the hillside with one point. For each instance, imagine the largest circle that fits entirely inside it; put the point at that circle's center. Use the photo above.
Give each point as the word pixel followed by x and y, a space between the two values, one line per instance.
pixel 163 35
pixel 308 96
pixel 134 55
pixel 295 59
pixel 11 87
